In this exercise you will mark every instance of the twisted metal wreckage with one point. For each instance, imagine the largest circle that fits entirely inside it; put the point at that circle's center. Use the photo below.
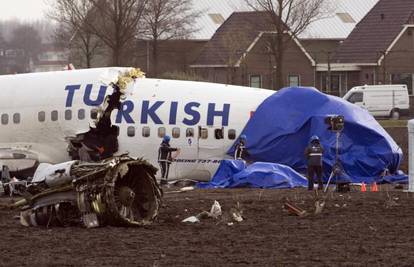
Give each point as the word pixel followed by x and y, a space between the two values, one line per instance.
pixel 117 191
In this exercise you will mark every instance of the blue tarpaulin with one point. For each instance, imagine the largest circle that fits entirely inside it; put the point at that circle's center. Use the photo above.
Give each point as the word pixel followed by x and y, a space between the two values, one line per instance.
pixel 235 174
pixel 282 125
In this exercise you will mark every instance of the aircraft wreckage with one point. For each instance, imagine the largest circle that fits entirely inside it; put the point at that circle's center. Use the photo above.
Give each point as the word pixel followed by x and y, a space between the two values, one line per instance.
pixel 96 188
pixel 118 191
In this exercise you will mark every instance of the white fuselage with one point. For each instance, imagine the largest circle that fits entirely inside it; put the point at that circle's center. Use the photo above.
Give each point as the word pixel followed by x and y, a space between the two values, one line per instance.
pixel 39 112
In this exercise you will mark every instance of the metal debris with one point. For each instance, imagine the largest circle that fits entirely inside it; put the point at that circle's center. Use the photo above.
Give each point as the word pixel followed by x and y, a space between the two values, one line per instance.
pixel 294 210
pixel 120 191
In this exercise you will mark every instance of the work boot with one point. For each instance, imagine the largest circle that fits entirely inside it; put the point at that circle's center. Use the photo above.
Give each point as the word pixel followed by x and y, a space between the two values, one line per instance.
pixel 163 182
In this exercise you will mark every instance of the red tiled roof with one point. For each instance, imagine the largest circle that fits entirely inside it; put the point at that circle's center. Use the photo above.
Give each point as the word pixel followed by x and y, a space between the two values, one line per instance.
pixel 233 38
pixel 376 32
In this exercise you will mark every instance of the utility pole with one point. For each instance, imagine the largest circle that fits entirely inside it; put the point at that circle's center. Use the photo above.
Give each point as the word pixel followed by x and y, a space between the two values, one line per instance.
pixel 329 83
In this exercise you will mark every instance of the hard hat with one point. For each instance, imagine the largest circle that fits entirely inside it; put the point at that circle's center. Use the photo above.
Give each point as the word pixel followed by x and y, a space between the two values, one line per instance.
pixel 243 136
pixel 166 139
pixel 314 138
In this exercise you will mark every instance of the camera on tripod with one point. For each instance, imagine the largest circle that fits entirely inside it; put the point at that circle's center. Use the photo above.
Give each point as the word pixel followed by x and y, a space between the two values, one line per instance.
pixel 335 122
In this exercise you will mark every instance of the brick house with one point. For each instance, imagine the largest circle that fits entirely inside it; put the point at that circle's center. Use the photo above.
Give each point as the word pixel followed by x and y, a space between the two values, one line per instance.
pixel 380 50
pixel 238 54
pixel 237 51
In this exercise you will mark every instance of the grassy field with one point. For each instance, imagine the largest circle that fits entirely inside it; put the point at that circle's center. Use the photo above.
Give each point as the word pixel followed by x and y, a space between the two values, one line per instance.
pixel 393 123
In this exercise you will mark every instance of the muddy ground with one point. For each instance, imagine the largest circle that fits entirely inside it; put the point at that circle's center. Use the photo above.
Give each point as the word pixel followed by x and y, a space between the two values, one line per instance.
pixel 354 229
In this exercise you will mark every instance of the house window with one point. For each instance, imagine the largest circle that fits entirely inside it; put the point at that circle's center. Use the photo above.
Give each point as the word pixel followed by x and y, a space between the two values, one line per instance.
pixel 256 81
pixel 346 17
pixel 294 80
pixel 404 78
pixel 217 18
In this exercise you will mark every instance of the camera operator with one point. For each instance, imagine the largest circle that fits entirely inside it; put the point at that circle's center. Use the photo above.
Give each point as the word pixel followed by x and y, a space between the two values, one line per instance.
pixel 313 153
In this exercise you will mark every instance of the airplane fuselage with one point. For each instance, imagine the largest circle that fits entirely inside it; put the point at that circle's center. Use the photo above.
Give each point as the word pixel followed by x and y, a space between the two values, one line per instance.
pixel 41 112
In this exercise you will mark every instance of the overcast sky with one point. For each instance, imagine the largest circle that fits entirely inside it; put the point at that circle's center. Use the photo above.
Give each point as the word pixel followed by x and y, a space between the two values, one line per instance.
pixel 22 9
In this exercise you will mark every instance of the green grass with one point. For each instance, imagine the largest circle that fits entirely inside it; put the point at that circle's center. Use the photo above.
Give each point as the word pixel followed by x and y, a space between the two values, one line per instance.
pixel 393 123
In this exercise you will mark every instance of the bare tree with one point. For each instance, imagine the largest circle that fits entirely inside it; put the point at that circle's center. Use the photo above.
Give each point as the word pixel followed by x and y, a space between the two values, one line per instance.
pixel 73 32
pixel 168 19
pixel 116 23
pixel 287 19
pixel 26 39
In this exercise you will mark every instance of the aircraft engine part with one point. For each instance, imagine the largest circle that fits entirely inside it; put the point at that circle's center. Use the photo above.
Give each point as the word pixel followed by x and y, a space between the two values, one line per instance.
pixel 53 175
pixel 120 191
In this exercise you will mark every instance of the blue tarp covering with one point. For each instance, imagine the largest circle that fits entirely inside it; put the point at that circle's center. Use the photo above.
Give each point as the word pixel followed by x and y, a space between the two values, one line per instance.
pixel 234 174
pixel 282 125
pixel 399 178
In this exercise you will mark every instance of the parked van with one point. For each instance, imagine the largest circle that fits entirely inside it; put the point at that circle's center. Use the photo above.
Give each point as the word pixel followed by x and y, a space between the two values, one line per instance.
pixel 381 100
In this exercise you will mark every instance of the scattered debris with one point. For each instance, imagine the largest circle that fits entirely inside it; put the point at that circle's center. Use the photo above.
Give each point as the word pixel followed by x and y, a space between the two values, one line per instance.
pixel 119 191
pixel 181 190
pixel 294 210
pixel 319 205
pixel 215 210
pixel 191 219
pixel 235 214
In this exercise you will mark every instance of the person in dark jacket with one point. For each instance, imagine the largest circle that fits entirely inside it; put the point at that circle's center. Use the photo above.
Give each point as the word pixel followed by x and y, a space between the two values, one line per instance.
pixel 240 152
pixel 165 158
pixel 313 154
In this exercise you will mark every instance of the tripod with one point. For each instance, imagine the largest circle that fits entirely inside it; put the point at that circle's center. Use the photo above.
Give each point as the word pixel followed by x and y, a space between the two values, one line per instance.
pixel 337 167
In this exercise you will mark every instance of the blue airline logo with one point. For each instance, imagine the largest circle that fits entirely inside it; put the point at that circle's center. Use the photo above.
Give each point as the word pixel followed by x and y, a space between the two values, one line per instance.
pixel 149 108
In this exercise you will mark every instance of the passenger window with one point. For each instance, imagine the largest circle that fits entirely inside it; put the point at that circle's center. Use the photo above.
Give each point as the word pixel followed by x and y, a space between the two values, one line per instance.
pixel 41 116
pixel 94 114
pixel 219 133
pixel 131 131
pixel 54 115
pixel 176 132
pixel 146 131
pixel 4 119
pixel 68 115
pixel 16 118
pixel 356 98
pixel 189 132
pixel 161 132
pixel 232 134
pixel 81 114
pixel 203 133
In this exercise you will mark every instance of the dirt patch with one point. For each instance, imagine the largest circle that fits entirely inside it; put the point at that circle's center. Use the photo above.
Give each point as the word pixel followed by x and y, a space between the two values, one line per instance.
pixel 400 136
pixel 354 229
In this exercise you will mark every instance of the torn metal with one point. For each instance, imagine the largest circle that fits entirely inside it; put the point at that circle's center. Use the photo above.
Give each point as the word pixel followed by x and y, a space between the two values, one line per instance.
pixel 120 191
pixel 101 141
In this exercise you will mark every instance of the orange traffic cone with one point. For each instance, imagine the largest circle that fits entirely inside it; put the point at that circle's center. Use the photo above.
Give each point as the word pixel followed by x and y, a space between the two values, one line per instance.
pixel 363 187
pixel 374 187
